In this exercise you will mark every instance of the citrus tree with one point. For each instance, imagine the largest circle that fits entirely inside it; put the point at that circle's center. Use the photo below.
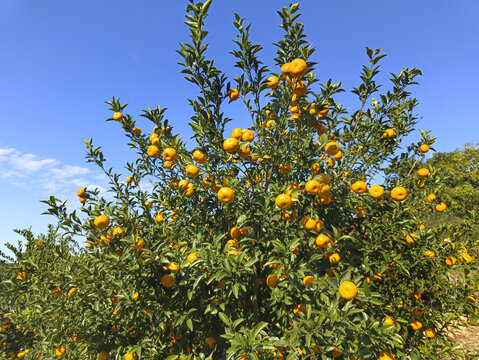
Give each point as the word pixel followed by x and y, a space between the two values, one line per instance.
pixel 295 236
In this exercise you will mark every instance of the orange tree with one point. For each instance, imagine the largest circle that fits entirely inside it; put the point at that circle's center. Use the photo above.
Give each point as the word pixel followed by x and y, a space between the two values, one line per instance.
pixel 298 235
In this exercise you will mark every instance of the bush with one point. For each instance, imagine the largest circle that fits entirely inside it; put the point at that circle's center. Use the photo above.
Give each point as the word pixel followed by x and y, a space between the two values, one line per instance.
pixel 274 242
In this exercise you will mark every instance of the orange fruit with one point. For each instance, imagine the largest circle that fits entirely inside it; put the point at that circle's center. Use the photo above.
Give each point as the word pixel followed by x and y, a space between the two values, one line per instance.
pixel 390 132
pixel 131 356
pixel 226 195
pixel 173 267
pixel 191 171
pixel 129 179
pixel 117 116
pixel 376 191
pixel 297 68
pixel 423 172
pixel 101 221
pixel 272 280
pixel 154 138
pixel 232 243
pixel 210 341
pixel 285 68
pixel 411 238
pixel 285 169
pixel 421 227
pixel 308 280
pixel 399 193
pixel 332 148
pixel 323 241
pixel 167 280
pixel 235 232
pixel 247 135
pixel 336 352
pixel 338 156
pixel 153 151
pixel 81 192
pixel 334 258
pixel 429 253
pixel 431 198
pixel 244 151
pixel 312 186
pixel 299 310
pixel 192 257
pixel 104 355
pixel 234 94
pixel 237 133
pixel 330 162
pixel 359 187
pixel 383 355
pixel 466 258
pixel 416 325
pixel 348 290
pixel 167 164
pixel 231 144
pixel 170 154
pixel 82 199
pixel 72 292
pixel 300 88
pixel 450 261
pixel 136 130
pixel 283 201
pixel 441 207
pixel 389 321
pixel 424 148
pixel 430 333
pixel 199 157
pixel 272 82
pixel 61 351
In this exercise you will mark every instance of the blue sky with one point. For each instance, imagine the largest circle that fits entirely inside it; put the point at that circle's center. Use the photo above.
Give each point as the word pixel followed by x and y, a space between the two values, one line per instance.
pixel 60 60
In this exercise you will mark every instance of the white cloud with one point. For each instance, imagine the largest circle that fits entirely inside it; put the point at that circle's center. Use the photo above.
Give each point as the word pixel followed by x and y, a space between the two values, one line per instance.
pixel 46 176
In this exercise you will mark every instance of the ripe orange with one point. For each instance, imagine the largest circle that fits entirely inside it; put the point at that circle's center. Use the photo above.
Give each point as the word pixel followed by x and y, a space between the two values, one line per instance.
pixel 285 169
pixel 429 253
pixel 237 133
pixel 285 68
pixel 234 94
pixel 332 148
pixel 129 179
pixel 299 310
pixel 441 207
pixel 308 280
pixel 117 116
pixel 416 325
pixel 101 221
pixel 231 144
pixel 167 281
pixel 153 151
pixel 450 261
pixel 423 172
pixel 399 193
pixel 323 241
pixel 192 171
pixel 199 157
pixel 61 351
pixel 300 88
pixel 247 135
pixel 390 132
pixel 272 82
pixel 82 199
pixel 131 356
pixel 244 151
pixel 235 232
pixel 348 290
pixel 389 321
pixel 421 227
pixel 424 148
pixel 297 68
pixel 170 154
pixel 72 292
pixel 466 258
pixel 334 258
pixel 226 195
pixel 232 243
pixel 192 257
pixel 431 198
pixel 411 238
pixel 81 192
pixel 359 187
pixel 383 355
pixel 272 280
pixel 376 191
pixel 210 341
pixel 312 186
pixel 103 355
pixel 283 201
pixel 430 333
pixel 167 164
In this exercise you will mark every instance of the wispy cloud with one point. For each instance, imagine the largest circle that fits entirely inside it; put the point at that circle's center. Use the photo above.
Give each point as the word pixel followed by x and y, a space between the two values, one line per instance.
pixel 46 176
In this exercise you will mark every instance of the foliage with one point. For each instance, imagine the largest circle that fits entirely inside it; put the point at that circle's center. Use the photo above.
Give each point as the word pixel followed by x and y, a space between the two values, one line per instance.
pixel 242 255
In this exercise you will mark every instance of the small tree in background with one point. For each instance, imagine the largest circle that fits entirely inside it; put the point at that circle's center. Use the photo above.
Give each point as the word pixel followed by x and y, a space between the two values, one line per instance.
pixel 275 241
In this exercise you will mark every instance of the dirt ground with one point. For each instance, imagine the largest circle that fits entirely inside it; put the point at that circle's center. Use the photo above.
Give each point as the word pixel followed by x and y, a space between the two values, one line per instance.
pixel 469 336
